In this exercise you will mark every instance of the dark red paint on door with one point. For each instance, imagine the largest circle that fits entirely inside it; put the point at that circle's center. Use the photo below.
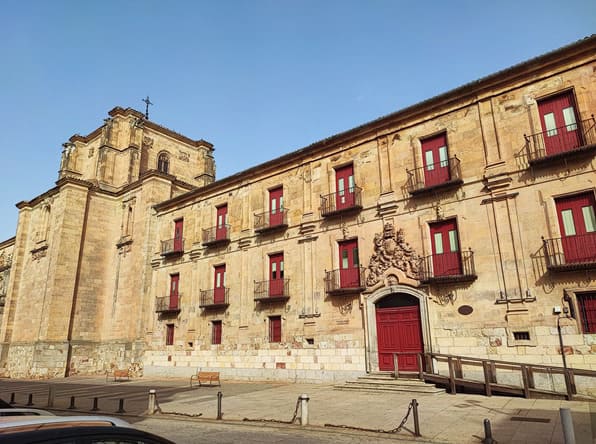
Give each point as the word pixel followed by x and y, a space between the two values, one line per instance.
pixel 578 227
pixel 276 206
pixel 445 246
pixel 219 290
pixel 221 230
pixel 178 229
pixel 174 281
pixel 436 161
pixel 344 186
pixel 558 117
pixel 276 274
pixel 399 331
pixel 349 267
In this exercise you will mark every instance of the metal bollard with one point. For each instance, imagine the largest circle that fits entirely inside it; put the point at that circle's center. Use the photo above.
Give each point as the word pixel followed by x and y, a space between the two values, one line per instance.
pixel 12 401
pixel 72 403
pixel 30 401
pixel 95 407
pixel 152 399
pixel 416 419
pixel 488 434
pixel 219 413
pixel 567 424
pixel 121 406
pixel 303 409
pixel 51 395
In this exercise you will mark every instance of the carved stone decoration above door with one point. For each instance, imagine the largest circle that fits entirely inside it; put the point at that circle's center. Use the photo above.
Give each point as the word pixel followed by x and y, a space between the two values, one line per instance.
pixel 391 251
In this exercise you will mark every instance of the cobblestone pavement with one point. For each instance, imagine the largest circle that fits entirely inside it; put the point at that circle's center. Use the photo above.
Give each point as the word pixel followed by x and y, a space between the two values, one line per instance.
pixel 443 418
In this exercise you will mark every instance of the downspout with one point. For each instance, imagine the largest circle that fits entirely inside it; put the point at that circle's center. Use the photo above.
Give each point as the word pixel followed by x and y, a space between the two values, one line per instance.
pixel 76 285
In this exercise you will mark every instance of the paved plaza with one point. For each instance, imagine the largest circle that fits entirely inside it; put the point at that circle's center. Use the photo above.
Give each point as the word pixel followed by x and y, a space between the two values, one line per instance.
pixel 443 417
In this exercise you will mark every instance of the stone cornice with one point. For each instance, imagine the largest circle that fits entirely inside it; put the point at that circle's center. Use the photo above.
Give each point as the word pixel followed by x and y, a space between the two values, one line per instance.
pixel 528 71
pixel 7 243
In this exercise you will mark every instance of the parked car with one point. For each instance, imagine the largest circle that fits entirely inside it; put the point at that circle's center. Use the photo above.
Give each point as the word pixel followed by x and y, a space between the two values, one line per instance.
pixel 24 412
pixel 73 430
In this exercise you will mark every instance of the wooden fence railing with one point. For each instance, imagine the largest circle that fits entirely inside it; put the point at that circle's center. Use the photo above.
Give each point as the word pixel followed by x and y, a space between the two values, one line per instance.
pixel 503 377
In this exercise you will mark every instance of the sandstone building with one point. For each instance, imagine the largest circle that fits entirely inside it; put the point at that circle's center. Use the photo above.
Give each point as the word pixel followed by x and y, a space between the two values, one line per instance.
pixel 457 225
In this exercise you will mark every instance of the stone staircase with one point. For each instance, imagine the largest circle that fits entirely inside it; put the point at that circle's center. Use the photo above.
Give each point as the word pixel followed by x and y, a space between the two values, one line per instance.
pixel 385 382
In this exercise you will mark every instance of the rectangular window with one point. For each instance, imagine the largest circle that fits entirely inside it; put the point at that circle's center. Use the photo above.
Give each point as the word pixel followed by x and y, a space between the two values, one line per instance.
pixel 170 334
pixel 589 218
pixel 551 126
pixel 586 303
pixel 216 332
pixel 569 118
pixel 568 224
pixel 438 243
pixel 443 156
pixel 453 244
pixel 274 328
pixel 430 163
pixel 558 117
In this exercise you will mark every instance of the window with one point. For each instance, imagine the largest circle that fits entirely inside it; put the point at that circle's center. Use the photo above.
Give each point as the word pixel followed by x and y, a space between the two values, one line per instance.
pixel 178 230
pixel 170 334
pixel 163 163
pixel 219 284
pixel 174 295
pixel 436 160
pixel 276 206
pixel 344 187
pixel 445 248
pixel 216 332
pixel 274 328
pixel 558 117
pixel 349 265
pixel 586 303
pixel 577 224
pixel 221 231
pixel 276 274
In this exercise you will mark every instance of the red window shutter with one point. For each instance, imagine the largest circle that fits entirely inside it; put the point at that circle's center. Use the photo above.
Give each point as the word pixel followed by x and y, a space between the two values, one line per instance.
pixel 275 329
pixel 216 333
pixel 436 160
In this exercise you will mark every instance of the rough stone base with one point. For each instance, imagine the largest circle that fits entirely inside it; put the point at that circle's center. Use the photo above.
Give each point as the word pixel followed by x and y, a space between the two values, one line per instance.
pixel 38 360
pixel 89 358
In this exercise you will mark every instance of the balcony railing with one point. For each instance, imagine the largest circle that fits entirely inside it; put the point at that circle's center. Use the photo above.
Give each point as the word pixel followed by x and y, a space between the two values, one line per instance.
pixel 272 291
pixel 346 280
pixel 561 142
pixel 448 267
pixel 440 175
pixel 341 202
pixel 268 221
pixel 168 304
pixel 216 235
pixel 570 253
pixel 214 298
pixel 172 247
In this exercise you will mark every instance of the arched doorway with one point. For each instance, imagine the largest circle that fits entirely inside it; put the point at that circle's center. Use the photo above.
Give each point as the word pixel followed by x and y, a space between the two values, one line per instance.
pixel 396 322
pixel 399 330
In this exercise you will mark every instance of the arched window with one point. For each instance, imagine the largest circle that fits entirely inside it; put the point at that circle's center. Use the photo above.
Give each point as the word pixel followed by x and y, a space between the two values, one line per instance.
pixel 163 163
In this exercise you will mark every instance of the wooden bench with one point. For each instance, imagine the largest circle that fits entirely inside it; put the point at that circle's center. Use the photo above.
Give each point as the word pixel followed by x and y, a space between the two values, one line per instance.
pixel 204 378
pixel 118 374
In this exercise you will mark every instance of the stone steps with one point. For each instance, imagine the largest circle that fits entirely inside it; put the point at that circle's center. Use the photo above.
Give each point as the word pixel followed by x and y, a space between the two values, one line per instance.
pixel 384 382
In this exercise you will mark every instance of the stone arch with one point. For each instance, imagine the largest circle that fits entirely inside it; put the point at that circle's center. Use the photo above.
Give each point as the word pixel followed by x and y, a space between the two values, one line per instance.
pixel 372 350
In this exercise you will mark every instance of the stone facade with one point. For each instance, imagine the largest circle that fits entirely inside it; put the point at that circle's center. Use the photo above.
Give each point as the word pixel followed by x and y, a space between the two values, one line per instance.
pixel 123 264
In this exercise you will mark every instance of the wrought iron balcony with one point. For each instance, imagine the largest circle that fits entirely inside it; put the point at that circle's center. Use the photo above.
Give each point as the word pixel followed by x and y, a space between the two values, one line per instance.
pixel 570 253
pixel 341 202
pixel 268 221
pixel 168 304
pixel 563 142
pixel 218 235
pixel 214 298
pixel 172 247
pixel 272 291
pixel 344 281
pixel 448 267
pixel 441 175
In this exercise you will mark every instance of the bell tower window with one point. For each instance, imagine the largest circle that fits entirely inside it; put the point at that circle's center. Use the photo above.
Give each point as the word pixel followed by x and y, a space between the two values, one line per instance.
pixel 163 163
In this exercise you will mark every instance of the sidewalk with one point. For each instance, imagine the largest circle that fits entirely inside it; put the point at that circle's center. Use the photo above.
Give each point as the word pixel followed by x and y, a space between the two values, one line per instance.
pixel 443 418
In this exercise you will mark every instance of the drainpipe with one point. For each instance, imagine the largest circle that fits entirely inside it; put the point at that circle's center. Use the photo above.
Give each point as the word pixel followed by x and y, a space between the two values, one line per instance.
pixel 76 285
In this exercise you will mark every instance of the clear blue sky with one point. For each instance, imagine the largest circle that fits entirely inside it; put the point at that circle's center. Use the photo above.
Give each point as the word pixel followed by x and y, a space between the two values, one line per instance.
pixel 255 78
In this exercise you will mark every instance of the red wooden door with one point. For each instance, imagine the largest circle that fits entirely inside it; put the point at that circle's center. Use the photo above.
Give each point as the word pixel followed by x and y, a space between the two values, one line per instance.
pixel 221 230
pixel 216 333
pixel 275 329
pixel 219 290
pixel 276 274
pixel 445 246
pixel 436 160
pixel 344 186
pixel 178 243
pixel 578 227
pixel 349 267
pixel 399 331
pixel 174 281
pixel 170 334
pixel 559 123
pixel 276 206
